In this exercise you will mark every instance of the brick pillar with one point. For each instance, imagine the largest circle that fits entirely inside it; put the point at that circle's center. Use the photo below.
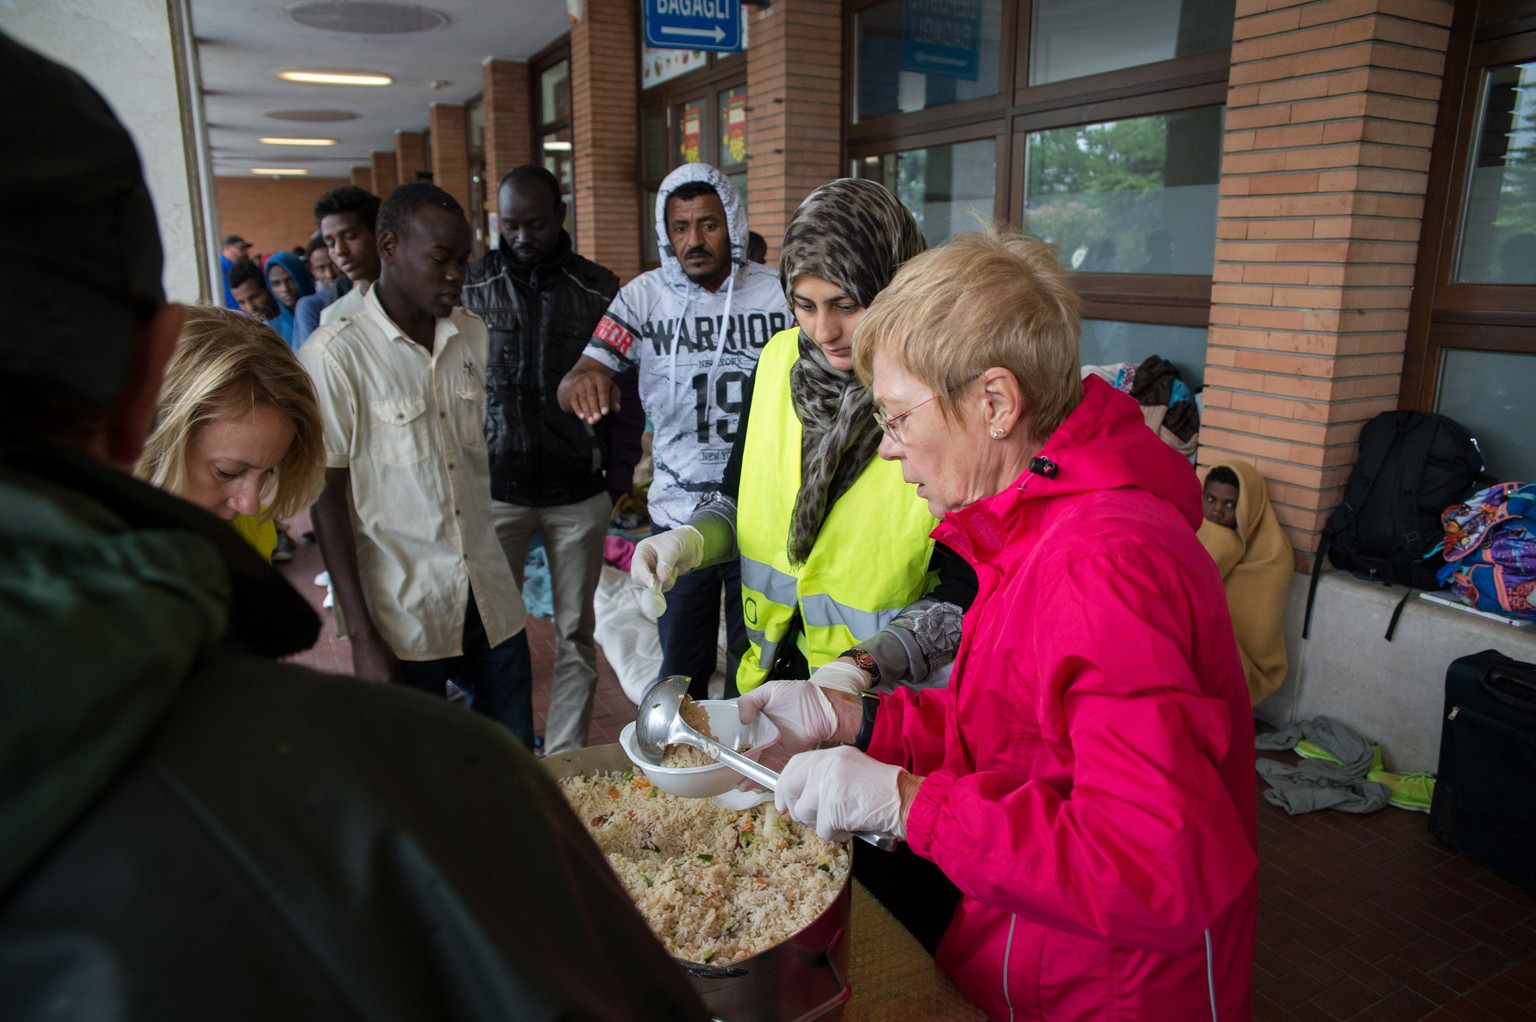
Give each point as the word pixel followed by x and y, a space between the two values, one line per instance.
pixel 605 77
pixel 384 177
pixel 1330 115
pixel 362 177
pixel 450 150
pixel 508 114
pixel 410 155
pixel 795 119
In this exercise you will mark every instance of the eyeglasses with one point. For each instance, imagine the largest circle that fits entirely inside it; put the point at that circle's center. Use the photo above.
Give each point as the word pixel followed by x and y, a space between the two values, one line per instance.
pixel 889 424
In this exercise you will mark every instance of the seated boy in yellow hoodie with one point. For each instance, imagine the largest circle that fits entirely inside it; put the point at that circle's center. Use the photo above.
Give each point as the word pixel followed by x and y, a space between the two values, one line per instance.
pixel 1251 550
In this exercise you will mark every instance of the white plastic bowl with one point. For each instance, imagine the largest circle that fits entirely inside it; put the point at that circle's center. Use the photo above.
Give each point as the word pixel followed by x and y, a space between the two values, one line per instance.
pixel 716 778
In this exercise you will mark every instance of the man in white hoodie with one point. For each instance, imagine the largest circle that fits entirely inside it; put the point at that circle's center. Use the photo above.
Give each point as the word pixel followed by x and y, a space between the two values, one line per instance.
pixel 695 327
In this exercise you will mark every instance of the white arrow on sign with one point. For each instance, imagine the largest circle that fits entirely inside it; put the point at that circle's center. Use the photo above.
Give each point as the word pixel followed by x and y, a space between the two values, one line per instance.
pixel 933 58
pixel 716 33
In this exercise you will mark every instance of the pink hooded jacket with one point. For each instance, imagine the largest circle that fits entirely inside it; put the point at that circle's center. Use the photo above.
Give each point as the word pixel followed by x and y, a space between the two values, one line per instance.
pixel 1090 768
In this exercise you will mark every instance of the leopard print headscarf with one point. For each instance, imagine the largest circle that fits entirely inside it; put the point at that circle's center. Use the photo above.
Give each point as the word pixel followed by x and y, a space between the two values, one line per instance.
pixel 855 234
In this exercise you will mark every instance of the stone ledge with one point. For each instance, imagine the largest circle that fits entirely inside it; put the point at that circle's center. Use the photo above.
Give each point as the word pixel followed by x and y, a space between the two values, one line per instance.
pixel 1393 691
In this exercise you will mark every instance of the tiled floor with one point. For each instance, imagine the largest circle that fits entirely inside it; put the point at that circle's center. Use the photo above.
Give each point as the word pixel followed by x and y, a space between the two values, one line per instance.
pixel 1360 917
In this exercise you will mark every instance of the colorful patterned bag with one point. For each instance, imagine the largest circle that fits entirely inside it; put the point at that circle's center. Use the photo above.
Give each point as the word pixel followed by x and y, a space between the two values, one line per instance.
pixel 1490 549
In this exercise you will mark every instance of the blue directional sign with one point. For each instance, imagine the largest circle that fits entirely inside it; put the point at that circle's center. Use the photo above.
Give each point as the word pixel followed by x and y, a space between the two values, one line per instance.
pixel 941 37
pixel 693 25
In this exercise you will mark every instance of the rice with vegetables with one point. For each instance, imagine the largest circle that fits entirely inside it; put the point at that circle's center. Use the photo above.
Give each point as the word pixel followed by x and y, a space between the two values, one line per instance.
pixel 683 756
pixel 716 884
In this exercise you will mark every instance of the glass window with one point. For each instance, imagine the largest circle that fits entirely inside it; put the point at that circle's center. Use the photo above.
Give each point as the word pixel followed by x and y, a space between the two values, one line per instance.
pixel 648 246
pixel 943 185
pixel 914 54
pixel 653 142
pixel 1131 196
pixel 1489 392
pixel 555 93
pixel 1106 342
pixel 1073 38
pixel 1498 239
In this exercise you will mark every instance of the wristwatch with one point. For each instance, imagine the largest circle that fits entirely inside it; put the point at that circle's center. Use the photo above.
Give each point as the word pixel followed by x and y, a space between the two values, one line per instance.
pixel 864 662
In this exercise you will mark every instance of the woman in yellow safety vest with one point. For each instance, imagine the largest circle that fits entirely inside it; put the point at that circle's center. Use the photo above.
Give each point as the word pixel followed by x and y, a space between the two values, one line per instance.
pixel 840 579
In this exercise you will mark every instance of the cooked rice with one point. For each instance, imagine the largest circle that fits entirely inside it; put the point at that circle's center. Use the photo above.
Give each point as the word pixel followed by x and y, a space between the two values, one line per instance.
pixel 683 756
pixel 715 884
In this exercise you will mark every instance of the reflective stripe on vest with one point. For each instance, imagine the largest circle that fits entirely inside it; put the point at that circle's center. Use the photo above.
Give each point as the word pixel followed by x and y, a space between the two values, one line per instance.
pixel 871 556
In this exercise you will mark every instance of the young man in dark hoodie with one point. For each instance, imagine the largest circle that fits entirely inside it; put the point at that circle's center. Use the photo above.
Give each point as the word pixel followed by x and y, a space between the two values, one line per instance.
pixel 190 829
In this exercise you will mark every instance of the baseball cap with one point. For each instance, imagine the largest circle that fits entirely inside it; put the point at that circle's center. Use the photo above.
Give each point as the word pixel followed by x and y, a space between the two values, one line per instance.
pixel 73 173
pixel 235 239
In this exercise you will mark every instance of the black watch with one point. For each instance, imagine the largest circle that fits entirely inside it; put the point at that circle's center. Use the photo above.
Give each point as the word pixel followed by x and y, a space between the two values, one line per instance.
pixel 864 662
pixel 871 706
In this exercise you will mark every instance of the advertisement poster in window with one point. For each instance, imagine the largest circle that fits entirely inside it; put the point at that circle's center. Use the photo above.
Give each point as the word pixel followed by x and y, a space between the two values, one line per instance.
pixel 657 66
pixel 691 128
pixel 733 139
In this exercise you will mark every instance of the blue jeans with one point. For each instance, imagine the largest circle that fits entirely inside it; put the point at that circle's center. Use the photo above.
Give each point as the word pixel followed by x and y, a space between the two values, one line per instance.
pixel 690 628
pixel 498 681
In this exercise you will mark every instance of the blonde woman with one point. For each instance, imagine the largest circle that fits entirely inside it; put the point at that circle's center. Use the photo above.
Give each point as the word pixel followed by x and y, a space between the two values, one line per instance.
pixel 237 430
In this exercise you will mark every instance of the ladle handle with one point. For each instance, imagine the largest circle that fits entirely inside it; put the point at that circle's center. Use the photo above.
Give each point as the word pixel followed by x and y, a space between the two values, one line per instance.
pixel 755 771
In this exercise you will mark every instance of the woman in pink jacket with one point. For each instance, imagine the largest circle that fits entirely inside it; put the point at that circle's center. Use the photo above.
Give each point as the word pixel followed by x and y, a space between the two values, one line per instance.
pixel 1086 779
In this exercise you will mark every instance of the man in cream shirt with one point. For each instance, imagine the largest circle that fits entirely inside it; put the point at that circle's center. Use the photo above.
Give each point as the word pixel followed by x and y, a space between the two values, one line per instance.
pixel 405 519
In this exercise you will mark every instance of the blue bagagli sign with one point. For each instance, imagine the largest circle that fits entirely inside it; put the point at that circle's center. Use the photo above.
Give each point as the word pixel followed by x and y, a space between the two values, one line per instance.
pixel 693 25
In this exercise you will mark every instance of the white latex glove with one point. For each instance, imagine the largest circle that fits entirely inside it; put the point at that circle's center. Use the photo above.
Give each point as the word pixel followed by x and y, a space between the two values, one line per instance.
pixel 842 676
pixel 659 560
pixel 801 711
pixel 840 791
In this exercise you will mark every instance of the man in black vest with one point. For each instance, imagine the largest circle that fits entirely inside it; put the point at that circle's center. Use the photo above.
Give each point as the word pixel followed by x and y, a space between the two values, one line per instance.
pixel 550 471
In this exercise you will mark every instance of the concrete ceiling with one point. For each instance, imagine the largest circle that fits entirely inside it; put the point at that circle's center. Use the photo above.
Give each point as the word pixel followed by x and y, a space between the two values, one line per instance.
pixel 242 44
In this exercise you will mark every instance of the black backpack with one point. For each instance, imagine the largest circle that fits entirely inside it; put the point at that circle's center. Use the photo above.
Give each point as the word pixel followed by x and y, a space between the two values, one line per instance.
pixel 1411 466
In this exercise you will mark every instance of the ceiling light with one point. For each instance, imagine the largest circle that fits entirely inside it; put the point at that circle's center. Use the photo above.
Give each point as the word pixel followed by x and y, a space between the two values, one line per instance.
pixel 557 147
pixel 279 171
pixel 335 78
pixel 297 141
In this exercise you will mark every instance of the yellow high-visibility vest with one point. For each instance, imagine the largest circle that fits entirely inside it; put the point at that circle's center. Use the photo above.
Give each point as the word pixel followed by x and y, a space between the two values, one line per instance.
pixel 871 556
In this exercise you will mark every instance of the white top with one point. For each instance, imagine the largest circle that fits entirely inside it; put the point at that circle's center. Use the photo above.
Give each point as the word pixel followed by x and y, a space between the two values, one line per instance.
pixel 409 427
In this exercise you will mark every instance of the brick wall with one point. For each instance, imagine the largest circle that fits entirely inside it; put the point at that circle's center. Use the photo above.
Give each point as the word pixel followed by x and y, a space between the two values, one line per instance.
pixel 363 178
pixel 795 120
pixel 508 137
pixel 272 214
pixel 410 155
pixel 384 176
pixel 1330 114
pixel 605 74
pixel 450 150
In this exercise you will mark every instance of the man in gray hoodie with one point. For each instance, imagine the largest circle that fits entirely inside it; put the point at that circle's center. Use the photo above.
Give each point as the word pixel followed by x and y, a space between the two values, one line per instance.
pixel 694 326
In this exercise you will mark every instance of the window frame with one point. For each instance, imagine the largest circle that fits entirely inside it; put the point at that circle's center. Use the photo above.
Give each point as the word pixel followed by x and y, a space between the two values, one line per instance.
pixel 1017 109
pixel 1445 314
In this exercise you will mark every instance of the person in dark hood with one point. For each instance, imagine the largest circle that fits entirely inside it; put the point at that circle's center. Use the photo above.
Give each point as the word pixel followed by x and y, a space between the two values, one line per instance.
pixel 694 328
pixel 550 472
pixel 189 828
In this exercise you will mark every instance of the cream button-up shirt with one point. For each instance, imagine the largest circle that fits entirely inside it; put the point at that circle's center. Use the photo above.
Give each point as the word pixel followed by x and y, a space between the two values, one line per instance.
pixel 408 425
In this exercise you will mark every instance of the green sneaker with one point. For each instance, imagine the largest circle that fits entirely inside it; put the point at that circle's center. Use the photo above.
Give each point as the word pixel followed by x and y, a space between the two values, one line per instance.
pixel 1406 791
pixel 1311 750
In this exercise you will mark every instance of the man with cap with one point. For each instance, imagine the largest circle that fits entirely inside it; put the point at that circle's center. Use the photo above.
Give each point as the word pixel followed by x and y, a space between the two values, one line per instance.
pixel 189 828
pixel 235 249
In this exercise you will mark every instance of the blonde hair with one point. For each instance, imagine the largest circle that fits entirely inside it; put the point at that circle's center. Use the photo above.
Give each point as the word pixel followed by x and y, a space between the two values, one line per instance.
pixel 225 364
pixel 993 298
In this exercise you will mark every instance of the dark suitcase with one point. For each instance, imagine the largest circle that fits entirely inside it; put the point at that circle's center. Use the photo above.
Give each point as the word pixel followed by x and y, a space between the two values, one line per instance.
pixel 1485 792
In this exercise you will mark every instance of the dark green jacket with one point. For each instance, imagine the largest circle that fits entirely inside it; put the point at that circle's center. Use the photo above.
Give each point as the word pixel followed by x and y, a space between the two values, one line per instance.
pixel 191 830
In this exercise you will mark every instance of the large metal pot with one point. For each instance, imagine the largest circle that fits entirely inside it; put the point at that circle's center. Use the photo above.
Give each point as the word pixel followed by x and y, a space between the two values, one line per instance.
pixel 803 978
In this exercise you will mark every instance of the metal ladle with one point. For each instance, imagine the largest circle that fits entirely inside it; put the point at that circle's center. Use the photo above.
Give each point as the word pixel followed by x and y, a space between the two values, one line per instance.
pixel 660 724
